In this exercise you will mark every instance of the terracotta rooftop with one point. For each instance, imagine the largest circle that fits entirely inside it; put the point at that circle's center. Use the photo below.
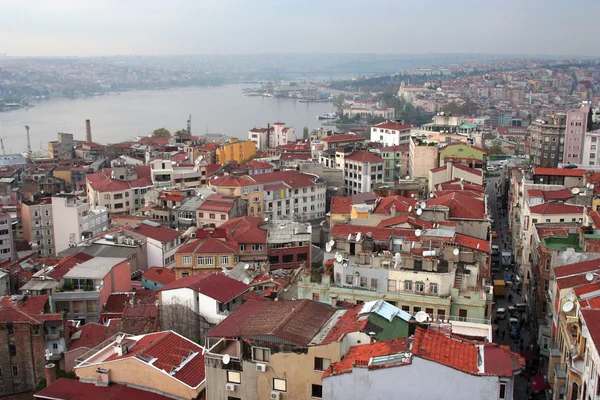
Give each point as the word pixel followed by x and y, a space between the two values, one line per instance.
pixel 472 242
pixel 411 220
pixel 160 275
pixel 296 321
pixel 246 230
pixel 345 137
pixel 393 126
pixel 402 205
pixel 556 209
pixel 341 205
pixel 576 268
pixel 559 172
pixel 89 336
pixel 214 285
pixel 159 233
pixel 361 355
pixel 209 245
pixel 72 389
pixel 460 205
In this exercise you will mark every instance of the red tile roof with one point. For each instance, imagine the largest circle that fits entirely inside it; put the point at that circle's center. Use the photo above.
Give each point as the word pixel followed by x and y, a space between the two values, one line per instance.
pixel 160 275
pixel 291 178
pixel 406 219
pixel 117 302
pixel 29 309
pixel 246 230
pixel 72 389
pixel 555 209
pixel 595 216
pixel 343 230
pixel 559 172
pixel 209 245
pixel 364 156
pixel 90 336
pixel 393 125
pixel 296 321
pixel 471 242
pixel 470 170
pixel 535 193
pixel 438 169
pixel 66 264
pixel 401 149
pixel 341 205
pixel 592 322
pixel 345 137
pixel 362 354
pixel 577 268
pixel 214 285
pixel 254 164
pixel 158 233
pixel 402 204
pixel 460 205
pixel 348 323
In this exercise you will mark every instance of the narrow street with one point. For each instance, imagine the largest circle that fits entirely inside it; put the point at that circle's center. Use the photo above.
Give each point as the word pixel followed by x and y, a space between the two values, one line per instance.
pixel 502 328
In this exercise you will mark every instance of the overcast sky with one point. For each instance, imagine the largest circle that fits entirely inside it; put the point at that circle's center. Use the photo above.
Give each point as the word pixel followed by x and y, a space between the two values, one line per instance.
pixel 159 27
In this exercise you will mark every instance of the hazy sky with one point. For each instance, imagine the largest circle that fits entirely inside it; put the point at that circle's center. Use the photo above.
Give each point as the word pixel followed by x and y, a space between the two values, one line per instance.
pixel 108 27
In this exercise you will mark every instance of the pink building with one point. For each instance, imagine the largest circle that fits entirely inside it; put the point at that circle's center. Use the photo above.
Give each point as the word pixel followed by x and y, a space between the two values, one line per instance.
pixel 577 126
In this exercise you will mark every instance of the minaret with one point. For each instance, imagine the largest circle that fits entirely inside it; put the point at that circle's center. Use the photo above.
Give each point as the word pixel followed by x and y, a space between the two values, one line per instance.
pixel 88 131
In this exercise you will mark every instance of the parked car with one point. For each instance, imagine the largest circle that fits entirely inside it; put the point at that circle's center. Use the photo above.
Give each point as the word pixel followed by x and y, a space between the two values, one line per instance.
pixel 501 313
pixel 513 322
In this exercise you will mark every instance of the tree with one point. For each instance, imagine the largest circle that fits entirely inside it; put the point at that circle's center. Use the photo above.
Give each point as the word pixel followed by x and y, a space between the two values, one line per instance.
pixel 160 133
pixel 496 147
pixel 305 132
pixel 182 133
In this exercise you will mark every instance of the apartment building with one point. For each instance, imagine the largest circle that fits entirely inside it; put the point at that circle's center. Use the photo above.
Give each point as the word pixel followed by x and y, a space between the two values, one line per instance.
pixel 210 251
pixel 78 221
pixel 38 225
pixel 62 149
pixel 289 195
pixel 7 248
pixel 161 242
pixel 362 170
pixel 387 113
pixel 120 189
pixel 339 140
pixel 281 135
pixel 454 172
pixel 576 127
pixel 396 160
pixel 423 157
pixel 591 149
pixel 162 173
pixel 462 153
pixel 548 140
pixel 235 150
pixel 251 235
pixel 391 133
pixel 217 209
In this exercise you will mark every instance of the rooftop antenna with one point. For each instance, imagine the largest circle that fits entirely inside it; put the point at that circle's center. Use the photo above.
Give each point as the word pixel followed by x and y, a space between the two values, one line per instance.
pixel 29 152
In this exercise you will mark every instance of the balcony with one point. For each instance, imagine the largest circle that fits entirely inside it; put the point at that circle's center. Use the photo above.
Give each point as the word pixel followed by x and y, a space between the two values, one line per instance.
pixel 560 371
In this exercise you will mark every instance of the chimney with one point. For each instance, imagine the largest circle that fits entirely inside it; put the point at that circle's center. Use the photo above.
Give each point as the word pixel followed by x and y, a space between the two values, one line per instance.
pixel 88 131
pixel 122 348
pixel 50 371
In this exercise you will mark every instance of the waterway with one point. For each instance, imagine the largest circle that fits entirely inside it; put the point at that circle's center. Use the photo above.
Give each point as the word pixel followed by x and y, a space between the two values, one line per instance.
pixel 120 117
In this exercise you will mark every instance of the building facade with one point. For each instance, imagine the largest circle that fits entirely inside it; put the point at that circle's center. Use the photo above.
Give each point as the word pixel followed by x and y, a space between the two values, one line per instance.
pixel 38 225
pixel 391 133
pixel 548 141
pixel 235 150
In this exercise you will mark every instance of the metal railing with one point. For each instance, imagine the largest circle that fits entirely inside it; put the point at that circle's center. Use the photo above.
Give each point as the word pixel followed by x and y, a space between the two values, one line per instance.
pixel 560 371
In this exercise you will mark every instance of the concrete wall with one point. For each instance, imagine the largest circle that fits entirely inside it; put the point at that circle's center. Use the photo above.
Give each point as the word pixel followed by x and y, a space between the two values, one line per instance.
pixel 71 356
pixel 423 159
pixel 421 380
pixel 135 372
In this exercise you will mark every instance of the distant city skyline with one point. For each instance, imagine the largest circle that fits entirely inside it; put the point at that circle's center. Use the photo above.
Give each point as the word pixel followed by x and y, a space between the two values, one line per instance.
pixel 153 27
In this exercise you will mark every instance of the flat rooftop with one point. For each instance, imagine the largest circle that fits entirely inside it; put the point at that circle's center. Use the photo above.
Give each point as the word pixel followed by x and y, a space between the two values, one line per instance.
pixel 562 243
pixel 96 268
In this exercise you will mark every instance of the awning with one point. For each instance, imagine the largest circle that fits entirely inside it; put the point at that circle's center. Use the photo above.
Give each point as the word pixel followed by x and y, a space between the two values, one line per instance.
pixel 537 383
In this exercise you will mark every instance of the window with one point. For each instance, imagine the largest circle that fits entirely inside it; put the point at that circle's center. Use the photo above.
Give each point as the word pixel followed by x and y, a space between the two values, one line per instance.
pixel 223 216
pixel 315 296
pixel 200 215
pixel 349 279
pixel 433 288
pixel 502 391
pixel 420 287
pixel 406 308
pixel 441 314
pixel 211 216
pixel 12 350
pixel 260 354
pixel 187 260
pixel 317 391
pixel 184 274
pixel 15 370
pixel 462 314
pixel 321 364
pixel 234 377
pixel 91 306
pixel 288 258
pixel 10 328
pixel 363 281
pixel 391 285
pixel 279 385
pixel 242 247
pixel 416 309
pixel 408 286
pixel 224 260
pixel 36 330
pixel 374 283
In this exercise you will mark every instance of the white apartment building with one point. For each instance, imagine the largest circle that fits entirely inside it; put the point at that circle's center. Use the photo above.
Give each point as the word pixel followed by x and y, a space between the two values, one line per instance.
pixel 260 136
pixel 7 250
pixel 391 133
pixel 162 173
pixel 38 225
pixel 591 149
pixel 361 170
pixel 281 135
pixel 77 221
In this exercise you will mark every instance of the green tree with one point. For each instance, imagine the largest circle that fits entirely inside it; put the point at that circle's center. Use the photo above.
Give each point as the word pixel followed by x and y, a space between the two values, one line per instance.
pixel 160 133
pixel 496 147
pixel 182 133
pixel 305 132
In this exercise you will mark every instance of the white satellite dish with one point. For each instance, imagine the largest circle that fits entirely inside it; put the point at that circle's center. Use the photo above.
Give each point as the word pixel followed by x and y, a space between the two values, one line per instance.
pixel 358 235
pixel 331 242
pixel 432 195
pixel 345 265
pixel 589 277
pixel 409 208
pixel 247 266
pixel 591 186
pixel 568 306
pixel 339 258
pixel 407 177
pixel 456 252
pixel 226 359
pixel 571 296
pixel 423 204
pixel 418 232
pixel 349 237
pixel 421 316
pixel 419 211
pixel 575 190
pixel 587 185
pixel 266 219
pixel 246 281
pixel 328 247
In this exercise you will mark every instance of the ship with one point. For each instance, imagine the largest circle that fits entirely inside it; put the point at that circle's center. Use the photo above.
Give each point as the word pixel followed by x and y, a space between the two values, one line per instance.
pixel 330 115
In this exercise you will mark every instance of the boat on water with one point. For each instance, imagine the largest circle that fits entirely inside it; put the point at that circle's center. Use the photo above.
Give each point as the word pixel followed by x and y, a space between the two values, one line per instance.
pixel 316 100
pixel 330 115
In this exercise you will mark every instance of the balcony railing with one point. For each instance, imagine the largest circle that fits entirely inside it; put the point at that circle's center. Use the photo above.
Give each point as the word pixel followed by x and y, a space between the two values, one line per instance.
pixel 560 371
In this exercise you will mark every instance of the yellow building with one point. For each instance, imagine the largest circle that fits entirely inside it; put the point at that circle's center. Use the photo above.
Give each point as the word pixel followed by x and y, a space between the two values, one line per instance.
pixel 235 150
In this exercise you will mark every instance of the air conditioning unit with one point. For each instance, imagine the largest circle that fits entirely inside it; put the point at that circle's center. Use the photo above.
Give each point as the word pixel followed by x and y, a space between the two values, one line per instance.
pixel 275 395
pixel 230 387
pixel 261 367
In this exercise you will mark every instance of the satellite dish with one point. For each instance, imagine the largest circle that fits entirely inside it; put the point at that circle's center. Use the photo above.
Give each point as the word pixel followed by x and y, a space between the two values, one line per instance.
pixel 575 190
pixel 419 211
pixel 266 219
pixel 423 204
pixel 349 237
pixel 246 281
pixel 412 195
pixel 339 258
pixel 589 277
pixel 409 208
pixel 587 185
pixel 568 306
pixel 431 195
pixel 247 266
pixel 421 316
pixel 407 177
pixel 131 301
pixel 592 186
pixel 571 296
pixel 157 303
pixel 345 265
pixel 456 252
pixel 584 331
pixel 226 359
pixel 418 232
pixel 331 242
pixel 358 237
pixel 328 247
